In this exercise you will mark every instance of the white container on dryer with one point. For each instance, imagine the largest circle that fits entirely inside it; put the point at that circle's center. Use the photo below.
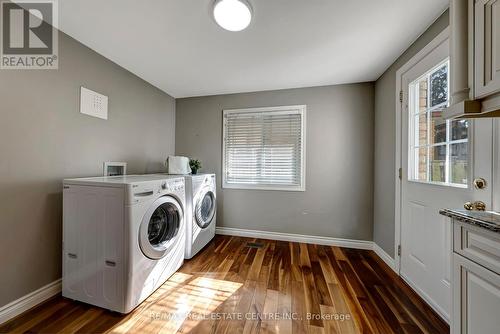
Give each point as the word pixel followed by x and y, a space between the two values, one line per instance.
pixel 201 209
pixel 123 237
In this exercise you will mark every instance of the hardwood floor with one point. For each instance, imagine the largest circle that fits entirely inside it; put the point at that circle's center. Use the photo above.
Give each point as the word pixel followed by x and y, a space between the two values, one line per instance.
pixel 279 287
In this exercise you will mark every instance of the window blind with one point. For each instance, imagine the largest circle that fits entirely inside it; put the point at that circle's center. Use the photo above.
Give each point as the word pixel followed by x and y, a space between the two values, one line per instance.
pixel 264 147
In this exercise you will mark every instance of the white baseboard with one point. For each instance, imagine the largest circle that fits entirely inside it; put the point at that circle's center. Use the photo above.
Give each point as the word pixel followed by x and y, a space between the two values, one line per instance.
pixel 32 299
pixel 308 239
pixel 384 256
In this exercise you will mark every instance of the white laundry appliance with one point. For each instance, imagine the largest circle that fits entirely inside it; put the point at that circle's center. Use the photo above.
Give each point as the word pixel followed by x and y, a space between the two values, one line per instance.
pixel 201 208
pixel 123 237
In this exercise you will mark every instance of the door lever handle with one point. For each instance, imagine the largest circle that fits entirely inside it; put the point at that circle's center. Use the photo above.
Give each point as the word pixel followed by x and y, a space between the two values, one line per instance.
pixel 475 206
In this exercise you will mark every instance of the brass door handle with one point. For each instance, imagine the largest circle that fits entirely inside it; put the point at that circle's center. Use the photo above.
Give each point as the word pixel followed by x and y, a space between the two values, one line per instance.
pixel 476 206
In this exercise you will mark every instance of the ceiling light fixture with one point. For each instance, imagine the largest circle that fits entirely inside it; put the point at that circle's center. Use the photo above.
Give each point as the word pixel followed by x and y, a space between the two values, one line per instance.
pixel 232 15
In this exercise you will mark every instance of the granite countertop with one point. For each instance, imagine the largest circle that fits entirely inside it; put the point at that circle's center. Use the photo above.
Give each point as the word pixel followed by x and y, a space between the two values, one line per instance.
pixel 485 219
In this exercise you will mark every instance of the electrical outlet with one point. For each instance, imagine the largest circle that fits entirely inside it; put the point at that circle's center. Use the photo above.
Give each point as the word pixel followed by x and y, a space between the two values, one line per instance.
pixel 93 103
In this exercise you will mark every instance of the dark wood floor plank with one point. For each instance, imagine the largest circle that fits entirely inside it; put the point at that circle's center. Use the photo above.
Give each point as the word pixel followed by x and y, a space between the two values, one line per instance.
pixel 253 323
pixel 369 282
pixel 299 326
pixel 348 294
pixel 276 262
pixel 341 306
pixel 75 324
pixel 58 320
pixel 326 266
pixel 311 292
pixel 414 305
pixel 295 262
pixel 402 317
pixel 281 287
pixel 31 317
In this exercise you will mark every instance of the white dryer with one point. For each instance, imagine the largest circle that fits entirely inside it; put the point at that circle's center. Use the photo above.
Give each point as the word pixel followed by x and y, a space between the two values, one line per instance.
pixel 201 209
pixel 123 237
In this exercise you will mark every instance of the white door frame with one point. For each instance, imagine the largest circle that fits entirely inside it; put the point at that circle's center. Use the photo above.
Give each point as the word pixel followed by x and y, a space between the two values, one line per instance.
pixel 438 40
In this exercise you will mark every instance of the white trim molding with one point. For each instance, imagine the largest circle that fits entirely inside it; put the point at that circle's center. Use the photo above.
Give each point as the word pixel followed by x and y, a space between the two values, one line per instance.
pixel 31 300
pixel 308 239
pixel 382 254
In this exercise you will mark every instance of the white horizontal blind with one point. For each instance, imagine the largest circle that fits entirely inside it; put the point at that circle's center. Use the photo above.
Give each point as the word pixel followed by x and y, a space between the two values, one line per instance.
pixel 263 148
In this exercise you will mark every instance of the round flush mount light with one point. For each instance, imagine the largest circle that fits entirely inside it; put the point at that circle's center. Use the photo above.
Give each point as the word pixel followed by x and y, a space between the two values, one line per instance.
pixel 232 15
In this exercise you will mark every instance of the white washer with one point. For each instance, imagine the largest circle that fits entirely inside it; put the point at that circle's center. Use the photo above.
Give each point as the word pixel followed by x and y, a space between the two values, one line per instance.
pixel 201 208
pixel 123 237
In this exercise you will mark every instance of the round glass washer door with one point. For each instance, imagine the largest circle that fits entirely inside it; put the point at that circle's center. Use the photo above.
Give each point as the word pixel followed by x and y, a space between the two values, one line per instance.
pixel 205 208
pixel 160 227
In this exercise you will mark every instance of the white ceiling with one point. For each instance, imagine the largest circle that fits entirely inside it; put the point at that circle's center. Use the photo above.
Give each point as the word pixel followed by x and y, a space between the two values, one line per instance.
pixel 176 45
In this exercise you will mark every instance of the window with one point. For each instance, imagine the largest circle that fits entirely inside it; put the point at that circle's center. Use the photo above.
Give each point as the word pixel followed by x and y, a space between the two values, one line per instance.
pixel 439 150
pixel 264 148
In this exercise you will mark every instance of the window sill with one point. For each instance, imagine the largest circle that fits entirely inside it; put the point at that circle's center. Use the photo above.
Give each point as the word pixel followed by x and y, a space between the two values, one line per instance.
pixel 441 184
pixel 263 187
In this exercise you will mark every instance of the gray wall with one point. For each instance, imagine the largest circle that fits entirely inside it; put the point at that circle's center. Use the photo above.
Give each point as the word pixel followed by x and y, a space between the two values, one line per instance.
pixel 339 172
pixel 385 140
pixel 44 138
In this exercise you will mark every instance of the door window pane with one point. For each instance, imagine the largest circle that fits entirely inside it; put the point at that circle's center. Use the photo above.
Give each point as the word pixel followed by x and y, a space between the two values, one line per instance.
pixel 439 86
pixel 458 163
pixel 459 130
pixel 421 129
pixel 439 148
pixel 438 128
pixel 422 95
pixel 421 158
pixel 438 163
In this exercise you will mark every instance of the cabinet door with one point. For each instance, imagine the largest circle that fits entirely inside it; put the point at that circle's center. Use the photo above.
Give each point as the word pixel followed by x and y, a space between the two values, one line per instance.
pixel 487 47
pixel 476 298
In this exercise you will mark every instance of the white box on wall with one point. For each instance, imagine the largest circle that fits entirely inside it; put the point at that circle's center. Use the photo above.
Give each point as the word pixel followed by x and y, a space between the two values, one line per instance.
pixel 114 168
pixel 93 103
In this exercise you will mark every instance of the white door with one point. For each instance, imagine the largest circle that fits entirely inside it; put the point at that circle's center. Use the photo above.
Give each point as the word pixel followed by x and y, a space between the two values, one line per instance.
pixel 439 159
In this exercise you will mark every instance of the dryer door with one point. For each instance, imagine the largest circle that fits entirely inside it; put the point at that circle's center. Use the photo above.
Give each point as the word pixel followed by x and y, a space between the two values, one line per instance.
pixel 205 208
pixel 160 227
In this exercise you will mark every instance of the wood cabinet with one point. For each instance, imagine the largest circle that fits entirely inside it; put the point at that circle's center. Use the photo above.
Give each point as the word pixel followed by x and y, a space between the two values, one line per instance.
pixel 475 282
pixel 486 48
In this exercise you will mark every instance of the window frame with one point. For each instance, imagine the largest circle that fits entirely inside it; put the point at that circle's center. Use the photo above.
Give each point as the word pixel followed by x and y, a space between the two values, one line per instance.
pixel 413 146
pixel 299 109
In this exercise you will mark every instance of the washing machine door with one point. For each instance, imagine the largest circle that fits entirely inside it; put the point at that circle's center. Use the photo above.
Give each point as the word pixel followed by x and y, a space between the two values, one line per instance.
pixel 205 208
pixel 160 227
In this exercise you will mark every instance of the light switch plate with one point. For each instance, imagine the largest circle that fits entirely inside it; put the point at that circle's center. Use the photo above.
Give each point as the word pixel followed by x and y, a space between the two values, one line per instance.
pixel 93 103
